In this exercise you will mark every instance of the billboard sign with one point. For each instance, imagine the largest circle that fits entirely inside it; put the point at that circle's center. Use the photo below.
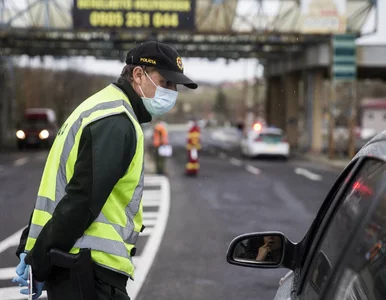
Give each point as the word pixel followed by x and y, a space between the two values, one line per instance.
pixel 323 16
pixel 134 14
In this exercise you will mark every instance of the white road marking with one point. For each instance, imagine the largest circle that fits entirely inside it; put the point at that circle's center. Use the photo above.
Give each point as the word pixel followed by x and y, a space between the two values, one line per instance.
pixel 151 203
pixel 149 222
pixel 150 215
pixel 222 155
pixel 151 195
pixel 152 246
pixel 155 223
pixel 7 273
pixel 236 162
pixel 252 169
pixel 11 241
pixel 13 293
pixel 289 199
pixel 21 161
pixel 148 231
pixel 41 156
pixel 308 174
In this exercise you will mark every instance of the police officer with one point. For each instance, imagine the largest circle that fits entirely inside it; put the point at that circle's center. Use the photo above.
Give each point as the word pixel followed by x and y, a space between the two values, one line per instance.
pixel 160 138
pixel 89 197
pixel 193 145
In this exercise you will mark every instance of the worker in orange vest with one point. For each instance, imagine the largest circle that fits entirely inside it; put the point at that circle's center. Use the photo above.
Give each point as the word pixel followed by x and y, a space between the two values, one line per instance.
pixel 160 137
pixel 193 146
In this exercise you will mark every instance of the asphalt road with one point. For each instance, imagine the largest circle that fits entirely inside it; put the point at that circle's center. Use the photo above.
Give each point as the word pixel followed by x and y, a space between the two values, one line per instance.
pixel 231 196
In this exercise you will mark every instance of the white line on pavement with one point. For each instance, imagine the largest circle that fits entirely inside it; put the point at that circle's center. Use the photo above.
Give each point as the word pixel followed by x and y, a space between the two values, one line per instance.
pixel 151 194
pixel 149 222
pixel 7 273
pixel 152 246
pixel 236 162
pixel 151 203
pixel 11 241
pixel 308 174
pixel 20 161
pixel 13 293
pixel 252 169
pixel 41 156
pixel 150 215
pixel 222 155
pixel 148 231
pixel 155 223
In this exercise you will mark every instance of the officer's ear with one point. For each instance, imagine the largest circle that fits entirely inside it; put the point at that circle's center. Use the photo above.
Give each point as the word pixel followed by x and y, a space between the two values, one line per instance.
pixel 138 75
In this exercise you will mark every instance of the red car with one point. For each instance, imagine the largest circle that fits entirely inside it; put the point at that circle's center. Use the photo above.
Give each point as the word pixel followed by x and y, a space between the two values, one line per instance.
pixel 38 128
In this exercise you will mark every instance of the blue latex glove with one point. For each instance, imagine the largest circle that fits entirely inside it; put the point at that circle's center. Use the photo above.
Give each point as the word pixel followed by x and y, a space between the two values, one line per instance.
pixel 21 271
pixel 37 289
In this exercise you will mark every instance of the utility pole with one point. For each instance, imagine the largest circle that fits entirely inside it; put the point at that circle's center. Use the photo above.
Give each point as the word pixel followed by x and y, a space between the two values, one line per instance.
pixel 353 120
pixel 332 105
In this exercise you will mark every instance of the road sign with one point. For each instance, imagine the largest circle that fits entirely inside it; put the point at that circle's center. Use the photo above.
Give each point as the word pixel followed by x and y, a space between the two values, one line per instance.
pixel 134 14
pixel 344 66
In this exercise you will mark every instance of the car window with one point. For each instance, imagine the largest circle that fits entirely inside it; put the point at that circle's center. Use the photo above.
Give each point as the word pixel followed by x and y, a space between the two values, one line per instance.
pixel 34 123
pixel 271 137
pixel 353 203
pixel 362 271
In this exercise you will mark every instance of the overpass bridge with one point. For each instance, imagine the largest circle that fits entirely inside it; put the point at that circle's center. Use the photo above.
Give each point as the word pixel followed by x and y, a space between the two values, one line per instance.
pixel 298 82
pixel 272 31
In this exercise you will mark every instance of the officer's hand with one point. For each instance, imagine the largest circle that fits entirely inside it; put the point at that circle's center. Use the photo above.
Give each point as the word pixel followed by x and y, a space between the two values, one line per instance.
pixel 21 271
pixel 37 290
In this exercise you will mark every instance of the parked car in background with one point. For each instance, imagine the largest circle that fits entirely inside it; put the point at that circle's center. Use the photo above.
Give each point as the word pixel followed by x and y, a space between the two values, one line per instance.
pixel 37 128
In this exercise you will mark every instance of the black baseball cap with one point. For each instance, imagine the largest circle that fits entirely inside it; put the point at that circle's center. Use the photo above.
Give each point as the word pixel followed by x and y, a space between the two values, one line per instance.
pixel 164 58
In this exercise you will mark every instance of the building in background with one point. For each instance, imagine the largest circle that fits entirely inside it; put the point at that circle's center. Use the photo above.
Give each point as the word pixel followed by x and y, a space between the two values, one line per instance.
pixel 373 114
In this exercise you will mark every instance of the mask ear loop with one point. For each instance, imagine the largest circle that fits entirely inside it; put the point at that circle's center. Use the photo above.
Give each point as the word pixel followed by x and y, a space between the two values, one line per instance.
pixel 150 79
pixel 140 86
pixel 141 91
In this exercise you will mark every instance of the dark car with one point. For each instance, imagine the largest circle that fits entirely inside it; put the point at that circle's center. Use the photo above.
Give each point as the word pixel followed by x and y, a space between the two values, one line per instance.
pixel 343 255
pixel 37 128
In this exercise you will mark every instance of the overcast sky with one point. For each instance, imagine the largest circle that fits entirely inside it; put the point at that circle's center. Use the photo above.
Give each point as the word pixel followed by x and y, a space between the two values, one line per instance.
pixel 219 70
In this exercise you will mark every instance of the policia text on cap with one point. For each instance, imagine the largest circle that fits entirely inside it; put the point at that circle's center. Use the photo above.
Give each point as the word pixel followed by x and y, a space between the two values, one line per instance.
pixel 88 214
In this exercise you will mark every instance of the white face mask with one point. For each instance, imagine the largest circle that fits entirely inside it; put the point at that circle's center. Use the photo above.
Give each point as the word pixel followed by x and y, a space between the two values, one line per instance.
pixel 162 102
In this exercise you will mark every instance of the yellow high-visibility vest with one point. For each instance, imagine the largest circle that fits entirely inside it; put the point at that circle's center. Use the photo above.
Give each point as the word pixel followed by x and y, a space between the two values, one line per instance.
pixel 113 234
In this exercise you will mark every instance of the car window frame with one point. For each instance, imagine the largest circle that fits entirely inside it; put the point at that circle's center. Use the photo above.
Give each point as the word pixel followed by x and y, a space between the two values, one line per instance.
pixel 312 239
pixel 338 269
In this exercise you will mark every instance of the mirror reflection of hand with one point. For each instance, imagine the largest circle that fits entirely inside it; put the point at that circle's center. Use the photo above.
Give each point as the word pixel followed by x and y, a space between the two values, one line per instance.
pixel 263 251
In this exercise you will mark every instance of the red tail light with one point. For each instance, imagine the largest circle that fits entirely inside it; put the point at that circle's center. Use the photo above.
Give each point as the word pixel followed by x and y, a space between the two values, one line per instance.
pixel 259 139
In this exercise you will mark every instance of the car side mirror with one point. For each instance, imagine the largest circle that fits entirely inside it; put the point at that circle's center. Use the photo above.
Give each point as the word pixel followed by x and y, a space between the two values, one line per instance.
pixel 261 250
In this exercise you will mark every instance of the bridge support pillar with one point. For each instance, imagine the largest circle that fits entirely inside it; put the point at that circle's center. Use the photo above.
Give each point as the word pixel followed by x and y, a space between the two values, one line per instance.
pixel 314 101
pixel 291 96
pixel 275 102
pixel 6 101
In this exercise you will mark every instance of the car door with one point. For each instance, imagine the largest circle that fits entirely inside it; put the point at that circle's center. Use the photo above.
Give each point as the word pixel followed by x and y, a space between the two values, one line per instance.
pixel 361 271
pixel 342 220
